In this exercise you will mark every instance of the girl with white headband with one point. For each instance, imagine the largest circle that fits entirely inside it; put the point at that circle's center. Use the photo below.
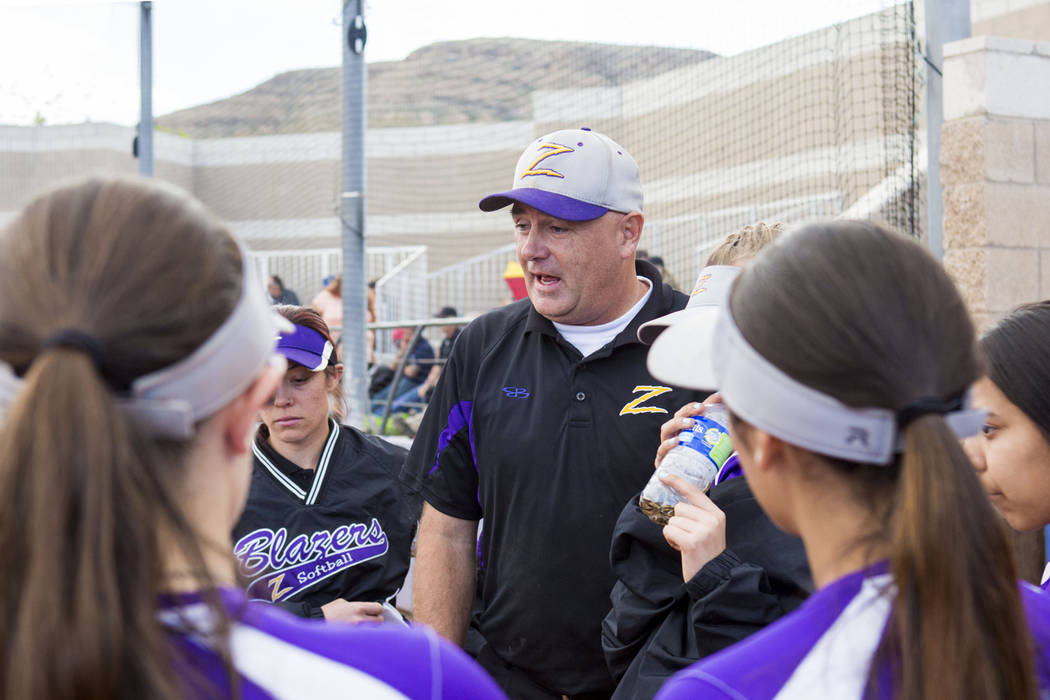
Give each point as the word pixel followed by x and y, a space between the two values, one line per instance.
pixel 845 356
pixel 136 349
pixel 1012 452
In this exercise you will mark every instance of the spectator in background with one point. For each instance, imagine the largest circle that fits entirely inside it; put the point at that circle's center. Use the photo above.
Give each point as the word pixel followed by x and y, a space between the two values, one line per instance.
pixel 329 303
pixel 409 401
pixel 370 317
pixel 417 361
pixel 667 276
pixel 280 295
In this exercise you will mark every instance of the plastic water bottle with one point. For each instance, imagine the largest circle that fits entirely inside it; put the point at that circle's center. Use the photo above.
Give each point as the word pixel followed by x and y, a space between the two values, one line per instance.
pixel 700 453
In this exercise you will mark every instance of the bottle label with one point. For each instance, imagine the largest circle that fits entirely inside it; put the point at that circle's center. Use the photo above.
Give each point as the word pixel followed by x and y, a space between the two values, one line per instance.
pixel 709 439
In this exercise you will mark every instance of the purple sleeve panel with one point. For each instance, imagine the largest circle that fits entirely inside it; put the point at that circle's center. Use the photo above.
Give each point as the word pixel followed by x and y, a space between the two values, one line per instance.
pixel 460 416
pixel 414 660
pixel 461 676
pixel 697 687
pixel 1037 611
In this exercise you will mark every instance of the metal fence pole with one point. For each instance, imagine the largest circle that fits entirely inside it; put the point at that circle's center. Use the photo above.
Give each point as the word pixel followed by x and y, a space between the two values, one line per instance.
pixel 145 134
pixel 946 20
pixel 352 210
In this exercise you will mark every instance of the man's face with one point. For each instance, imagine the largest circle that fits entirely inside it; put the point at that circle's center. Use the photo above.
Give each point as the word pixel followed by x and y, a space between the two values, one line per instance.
pixel 274 290
pixel 574 270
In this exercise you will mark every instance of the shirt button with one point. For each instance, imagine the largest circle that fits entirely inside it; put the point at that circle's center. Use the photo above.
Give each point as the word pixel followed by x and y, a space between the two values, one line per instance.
pixel 580 396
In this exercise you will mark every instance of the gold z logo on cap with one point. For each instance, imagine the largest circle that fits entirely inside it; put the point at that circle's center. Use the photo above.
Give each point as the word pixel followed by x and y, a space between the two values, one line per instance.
pixel 555 149
pixel 635 405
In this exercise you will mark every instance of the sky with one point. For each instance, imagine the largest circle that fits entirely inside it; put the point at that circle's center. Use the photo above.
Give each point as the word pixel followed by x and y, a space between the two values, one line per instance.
pixel 77 60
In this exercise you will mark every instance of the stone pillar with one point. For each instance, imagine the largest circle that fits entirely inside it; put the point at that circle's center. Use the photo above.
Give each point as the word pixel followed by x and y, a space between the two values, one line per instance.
pixel 995 169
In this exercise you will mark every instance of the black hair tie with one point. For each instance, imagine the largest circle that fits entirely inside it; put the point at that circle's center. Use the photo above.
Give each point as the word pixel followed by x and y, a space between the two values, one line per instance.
pixel 923 406
pixel 78 340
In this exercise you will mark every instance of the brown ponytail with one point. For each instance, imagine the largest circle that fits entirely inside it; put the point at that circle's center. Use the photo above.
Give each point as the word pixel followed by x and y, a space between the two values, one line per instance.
pixel 957 628
pixel 869 317
pixel 85 492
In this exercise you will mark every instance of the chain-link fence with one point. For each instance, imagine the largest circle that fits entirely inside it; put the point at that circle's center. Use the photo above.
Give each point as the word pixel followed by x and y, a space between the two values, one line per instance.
pixel 816 125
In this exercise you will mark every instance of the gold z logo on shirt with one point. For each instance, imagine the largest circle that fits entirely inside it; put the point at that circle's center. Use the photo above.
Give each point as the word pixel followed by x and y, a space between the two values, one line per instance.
pixel 635 405
pixel 556 149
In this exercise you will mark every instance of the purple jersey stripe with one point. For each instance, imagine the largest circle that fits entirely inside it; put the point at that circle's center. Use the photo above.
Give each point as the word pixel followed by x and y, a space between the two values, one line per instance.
pixel 460 416
pixel 275 653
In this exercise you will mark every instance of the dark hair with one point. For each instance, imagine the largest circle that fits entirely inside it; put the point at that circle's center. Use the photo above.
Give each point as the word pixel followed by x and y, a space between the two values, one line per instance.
pixel 870 318
pixel 1016 360
pixel 84 491
pixel 305 316
pixel 277 280
pixel 447 312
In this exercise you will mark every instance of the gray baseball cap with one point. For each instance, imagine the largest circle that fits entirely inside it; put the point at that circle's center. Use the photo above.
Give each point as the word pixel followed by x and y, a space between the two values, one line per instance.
pixel 573 174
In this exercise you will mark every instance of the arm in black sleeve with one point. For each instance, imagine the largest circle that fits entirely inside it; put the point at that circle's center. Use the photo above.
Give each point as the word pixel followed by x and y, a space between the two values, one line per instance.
pixel 761 576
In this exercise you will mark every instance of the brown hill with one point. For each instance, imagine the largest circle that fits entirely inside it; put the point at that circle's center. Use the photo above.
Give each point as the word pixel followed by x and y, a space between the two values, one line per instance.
pixel 454 82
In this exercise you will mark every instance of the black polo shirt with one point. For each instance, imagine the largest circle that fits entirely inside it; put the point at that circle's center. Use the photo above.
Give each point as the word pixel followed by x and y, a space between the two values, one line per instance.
pixel 547 447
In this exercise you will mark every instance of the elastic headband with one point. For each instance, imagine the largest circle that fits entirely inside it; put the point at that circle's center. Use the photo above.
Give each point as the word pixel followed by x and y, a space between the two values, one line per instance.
pixel 167 403
pixel 769 399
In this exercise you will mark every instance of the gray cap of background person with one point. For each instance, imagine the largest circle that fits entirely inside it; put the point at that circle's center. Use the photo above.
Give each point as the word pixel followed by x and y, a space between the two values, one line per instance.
pixel 575 175
pixel 446 312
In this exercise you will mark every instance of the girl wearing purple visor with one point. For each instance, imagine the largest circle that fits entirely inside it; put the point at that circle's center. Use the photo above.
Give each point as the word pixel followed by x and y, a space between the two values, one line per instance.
pixel 1012 453
pixel 328 528
pixel 845 356
pixel 125 425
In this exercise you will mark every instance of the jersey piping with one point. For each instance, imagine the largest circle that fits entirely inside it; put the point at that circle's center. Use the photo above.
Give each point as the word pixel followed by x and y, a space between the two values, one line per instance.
pixel 319 474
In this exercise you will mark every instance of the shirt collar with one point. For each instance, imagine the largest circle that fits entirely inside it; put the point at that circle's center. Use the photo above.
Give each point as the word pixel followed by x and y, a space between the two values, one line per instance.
pixel 654 307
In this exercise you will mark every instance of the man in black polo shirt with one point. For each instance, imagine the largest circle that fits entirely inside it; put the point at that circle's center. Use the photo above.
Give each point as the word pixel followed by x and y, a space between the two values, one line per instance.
pixel 544 422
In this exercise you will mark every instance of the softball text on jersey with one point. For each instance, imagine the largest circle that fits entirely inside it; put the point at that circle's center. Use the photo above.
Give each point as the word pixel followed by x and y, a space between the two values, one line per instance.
pixel 280 568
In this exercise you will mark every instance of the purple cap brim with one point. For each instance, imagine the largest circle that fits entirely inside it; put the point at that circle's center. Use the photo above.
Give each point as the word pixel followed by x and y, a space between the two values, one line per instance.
pixel 306 347
pixel 556 205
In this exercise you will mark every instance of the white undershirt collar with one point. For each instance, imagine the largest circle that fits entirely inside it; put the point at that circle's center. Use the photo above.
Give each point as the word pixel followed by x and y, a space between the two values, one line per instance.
pixel 588 339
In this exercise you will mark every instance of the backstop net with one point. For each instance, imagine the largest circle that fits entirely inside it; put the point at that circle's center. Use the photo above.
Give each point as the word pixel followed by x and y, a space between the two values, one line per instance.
pixel 822 124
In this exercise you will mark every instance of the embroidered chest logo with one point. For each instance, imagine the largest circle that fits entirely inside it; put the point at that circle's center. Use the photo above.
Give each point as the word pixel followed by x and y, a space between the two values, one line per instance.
pixel 555 149
pixel 516 392
pixel 635 405
pixel 280 568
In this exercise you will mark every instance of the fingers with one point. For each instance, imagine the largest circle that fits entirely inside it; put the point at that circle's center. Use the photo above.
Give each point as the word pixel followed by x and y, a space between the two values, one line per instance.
pixel 368 608
pixel 693 496
pixel 665 447
pixel 698 534
pixel 682 420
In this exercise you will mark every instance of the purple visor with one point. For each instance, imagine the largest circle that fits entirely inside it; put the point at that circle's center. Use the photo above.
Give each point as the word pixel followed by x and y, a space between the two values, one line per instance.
pixel 306 347
pixel 556 205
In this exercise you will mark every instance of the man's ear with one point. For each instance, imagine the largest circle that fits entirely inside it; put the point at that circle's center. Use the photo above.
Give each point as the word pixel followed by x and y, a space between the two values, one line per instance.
pixel 630 231
pixel 240 414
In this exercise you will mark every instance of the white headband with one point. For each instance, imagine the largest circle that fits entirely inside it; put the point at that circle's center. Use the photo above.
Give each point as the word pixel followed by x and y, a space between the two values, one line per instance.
pixel 167 403
pixel 764 396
